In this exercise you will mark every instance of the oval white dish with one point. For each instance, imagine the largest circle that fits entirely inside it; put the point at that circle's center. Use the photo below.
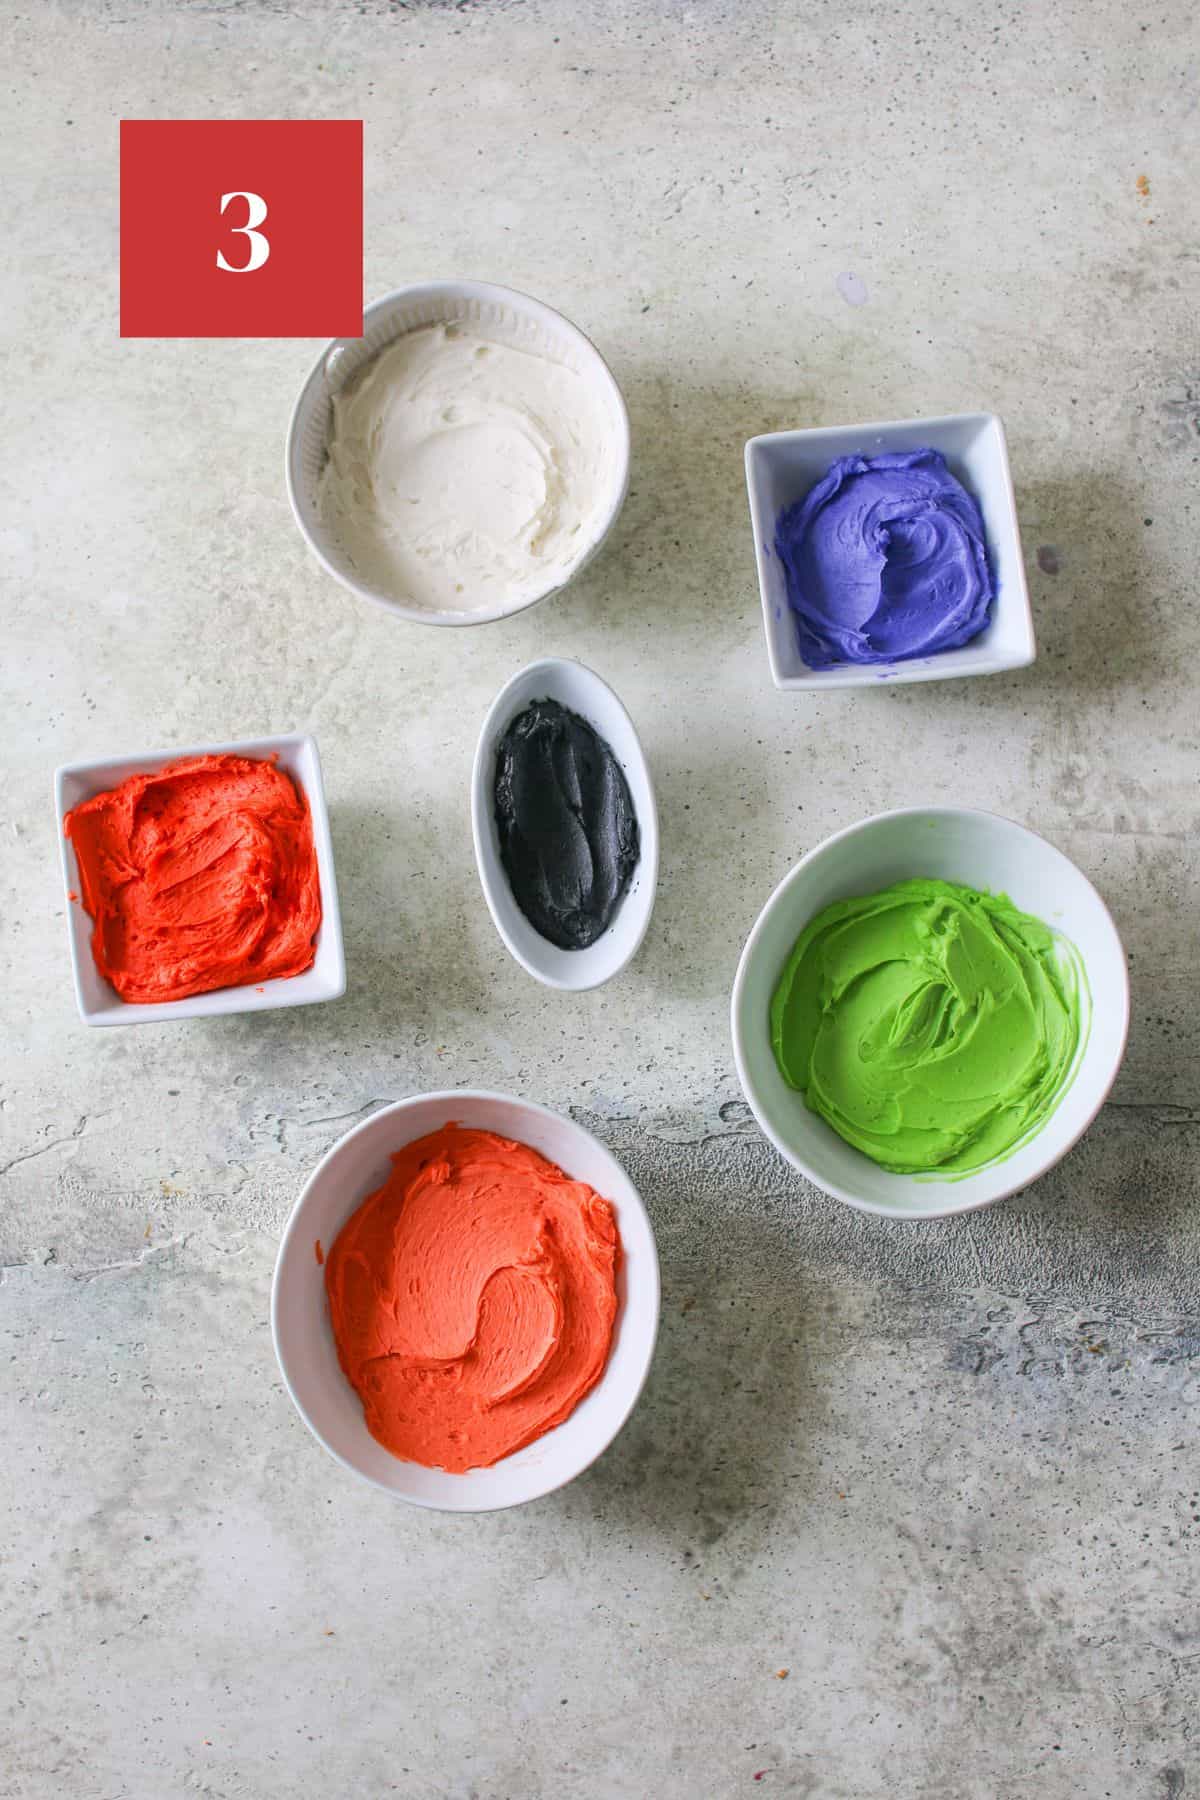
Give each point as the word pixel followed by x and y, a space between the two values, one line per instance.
pixel 583 692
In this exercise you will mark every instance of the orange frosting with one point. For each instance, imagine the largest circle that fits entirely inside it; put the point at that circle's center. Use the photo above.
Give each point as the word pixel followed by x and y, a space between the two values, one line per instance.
pixel 200 876
pixel 472 1298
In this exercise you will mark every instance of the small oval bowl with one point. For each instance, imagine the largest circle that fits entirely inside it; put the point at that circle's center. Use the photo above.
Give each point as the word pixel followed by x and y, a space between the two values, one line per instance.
pixel 359 1163
pixel 980 850
pixel 513 316
pixel 574 686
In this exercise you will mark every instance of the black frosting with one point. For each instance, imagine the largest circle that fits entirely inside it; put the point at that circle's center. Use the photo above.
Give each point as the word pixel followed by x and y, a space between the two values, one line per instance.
pixel 568 831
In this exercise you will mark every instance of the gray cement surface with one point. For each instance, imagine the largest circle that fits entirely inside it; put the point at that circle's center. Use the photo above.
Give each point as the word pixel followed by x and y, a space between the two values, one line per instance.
pixel 945 1477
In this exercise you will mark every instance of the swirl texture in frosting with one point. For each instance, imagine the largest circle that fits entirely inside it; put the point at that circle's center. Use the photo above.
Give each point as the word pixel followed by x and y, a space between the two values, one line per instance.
pixel 472 1298
pixel 201 875
pixel 885 558
pixel 933 1026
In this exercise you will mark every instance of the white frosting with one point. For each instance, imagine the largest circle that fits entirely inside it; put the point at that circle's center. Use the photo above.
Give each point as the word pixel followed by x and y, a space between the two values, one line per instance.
pixel 465 472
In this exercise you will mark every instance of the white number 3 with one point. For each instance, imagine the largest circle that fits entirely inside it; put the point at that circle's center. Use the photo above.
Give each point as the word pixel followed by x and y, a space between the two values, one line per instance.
pixel 260 249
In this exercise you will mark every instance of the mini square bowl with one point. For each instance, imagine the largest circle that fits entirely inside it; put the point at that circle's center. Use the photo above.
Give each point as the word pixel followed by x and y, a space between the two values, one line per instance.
pixel 782 466
pixel 98 1001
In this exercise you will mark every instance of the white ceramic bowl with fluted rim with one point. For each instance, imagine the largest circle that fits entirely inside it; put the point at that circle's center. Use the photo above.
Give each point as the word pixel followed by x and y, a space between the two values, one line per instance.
pixel 504 312
pixel 981 850
pixel 358 1164
pixel 582 691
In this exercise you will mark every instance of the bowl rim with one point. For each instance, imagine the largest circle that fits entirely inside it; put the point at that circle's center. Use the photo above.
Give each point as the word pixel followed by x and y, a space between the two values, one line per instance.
pixel 456 1097
pixel 834 1189
pixel 476 290
pixel 487 864
pixel 982 415
pixel 222 1002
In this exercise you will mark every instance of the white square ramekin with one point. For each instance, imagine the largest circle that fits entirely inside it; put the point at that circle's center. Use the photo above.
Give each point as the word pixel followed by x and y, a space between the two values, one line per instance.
pixel 782 466
pixel 97 999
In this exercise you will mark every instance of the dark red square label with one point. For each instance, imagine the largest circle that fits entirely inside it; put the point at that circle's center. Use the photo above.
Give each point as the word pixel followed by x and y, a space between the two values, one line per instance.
pixel 241 227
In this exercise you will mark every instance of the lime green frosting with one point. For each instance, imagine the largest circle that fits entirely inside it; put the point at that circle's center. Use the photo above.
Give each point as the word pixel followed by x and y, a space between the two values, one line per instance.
pixel 935 1028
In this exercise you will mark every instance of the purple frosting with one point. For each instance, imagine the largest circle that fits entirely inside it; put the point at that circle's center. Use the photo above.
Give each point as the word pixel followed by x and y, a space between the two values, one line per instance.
pixel 885 558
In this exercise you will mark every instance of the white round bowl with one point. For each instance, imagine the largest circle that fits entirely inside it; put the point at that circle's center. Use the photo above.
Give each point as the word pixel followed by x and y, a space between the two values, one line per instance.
pixel 505 314
pixel 578 688
pixel 979 850
pixel 358 1164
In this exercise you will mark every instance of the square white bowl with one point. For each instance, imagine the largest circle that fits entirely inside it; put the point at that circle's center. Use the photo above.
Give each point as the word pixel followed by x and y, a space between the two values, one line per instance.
pixel 98 1001
pixel 782 466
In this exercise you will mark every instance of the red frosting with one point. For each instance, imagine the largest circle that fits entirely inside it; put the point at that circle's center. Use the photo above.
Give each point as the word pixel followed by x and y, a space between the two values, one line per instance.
pixel 473 1298
pixel 200 876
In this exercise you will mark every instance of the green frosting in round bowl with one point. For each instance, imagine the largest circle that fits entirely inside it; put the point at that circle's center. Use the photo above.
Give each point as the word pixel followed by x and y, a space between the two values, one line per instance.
pixel 934 1027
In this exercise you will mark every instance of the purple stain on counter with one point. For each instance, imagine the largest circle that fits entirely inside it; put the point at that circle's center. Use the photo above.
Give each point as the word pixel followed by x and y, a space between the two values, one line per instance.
pixel 885 559
pixel 852 288
pixel 1048 559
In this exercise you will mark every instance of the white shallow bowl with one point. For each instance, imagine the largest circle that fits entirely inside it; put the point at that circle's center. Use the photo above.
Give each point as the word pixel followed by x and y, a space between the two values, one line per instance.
pixel 357 1165
pixel 578 688
pixel 97 999
pixel 503 313
pixel 981 851
pixel 782 466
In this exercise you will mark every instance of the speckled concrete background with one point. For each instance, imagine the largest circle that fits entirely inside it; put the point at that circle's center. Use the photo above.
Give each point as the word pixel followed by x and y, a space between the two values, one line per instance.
pixel 946 1477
